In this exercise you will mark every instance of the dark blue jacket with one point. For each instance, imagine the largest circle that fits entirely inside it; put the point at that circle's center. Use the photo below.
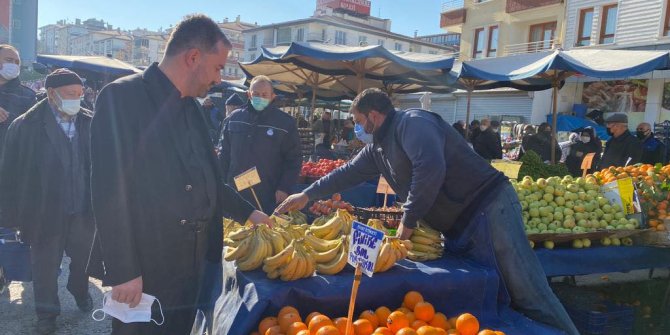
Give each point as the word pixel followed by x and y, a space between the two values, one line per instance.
pixel 652 151
pixel 269 141
pixel 428 164
pixel 16 99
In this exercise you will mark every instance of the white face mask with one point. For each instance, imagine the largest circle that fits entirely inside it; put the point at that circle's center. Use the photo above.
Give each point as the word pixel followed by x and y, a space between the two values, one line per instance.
pixel 10 71
pixel 586 139
pixel 70 107
pixel 125 314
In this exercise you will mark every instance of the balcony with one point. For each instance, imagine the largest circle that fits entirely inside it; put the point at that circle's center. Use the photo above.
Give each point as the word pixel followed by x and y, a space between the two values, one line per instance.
pixel 514 6
pixel 531 47
pixel 453 14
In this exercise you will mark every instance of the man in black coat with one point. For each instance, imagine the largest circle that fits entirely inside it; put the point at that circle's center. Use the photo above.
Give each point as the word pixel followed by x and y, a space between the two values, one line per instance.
pixel 622 147
pixel 262 136
pixel 44 190
pixel 156 187
pixel 653 148
pixel 15 99
pixel 487 143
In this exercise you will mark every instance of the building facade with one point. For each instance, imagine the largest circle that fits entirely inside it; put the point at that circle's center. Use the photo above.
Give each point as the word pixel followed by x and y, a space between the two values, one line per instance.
pixel 148 48
pixel 234 32
pixel 113 43
pixel 18 27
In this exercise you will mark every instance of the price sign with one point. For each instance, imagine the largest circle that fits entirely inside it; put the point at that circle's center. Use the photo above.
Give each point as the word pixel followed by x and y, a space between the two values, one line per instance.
pixel 587 162
pixel 383 187
pixel 509 168
pixel 247 179
pixel 364 247
pixel 622 192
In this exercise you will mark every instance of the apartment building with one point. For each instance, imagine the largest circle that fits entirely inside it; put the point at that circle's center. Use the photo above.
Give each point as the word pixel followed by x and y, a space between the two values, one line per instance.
pixel 234 31
pixel 114 43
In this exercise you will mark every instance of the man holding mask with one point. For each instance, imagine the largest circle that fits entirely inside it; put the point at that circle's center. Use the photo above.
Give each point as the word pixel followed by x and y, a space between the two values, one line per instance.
pixel 262 136
pixel 44 189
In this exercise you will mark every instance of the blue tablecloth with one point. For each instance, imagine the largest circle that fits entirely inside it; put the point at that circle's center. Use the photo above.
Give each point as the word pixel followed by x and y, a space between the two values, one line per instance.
pixel 453 285
pixel 566 262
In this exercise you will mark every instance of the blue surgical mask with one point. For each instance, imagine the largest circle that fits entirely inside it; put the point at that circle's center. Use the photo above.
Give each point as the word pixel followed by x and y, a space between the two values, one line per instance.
pixel 259 103
pixel 362 135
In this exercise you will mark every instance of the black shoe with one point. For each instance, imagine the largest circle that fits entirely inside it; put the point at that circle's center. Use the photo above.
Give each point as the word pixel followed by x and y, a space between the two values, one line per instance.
pixel 46 326
pixel 85 304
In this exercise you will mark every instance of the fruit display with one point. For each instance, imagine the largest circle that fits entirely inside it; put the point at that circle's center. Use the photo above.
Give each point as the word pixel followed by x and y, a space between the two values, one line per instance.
pixel 292 263
pixel 332 227
pixel 320 168
pixel 334 260
pixel 415 317
pixel 249 246
pixel 426 244
pixel 378 224
pixel 393 250
pixel 389 216
pixel 325 207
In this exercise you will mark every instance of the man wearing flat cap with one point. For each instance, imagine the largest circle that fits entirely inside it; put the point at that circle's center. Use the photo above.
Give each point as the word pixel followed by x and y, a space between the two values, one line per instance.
pixel 44 190
pixel 234 102
pixel 622 148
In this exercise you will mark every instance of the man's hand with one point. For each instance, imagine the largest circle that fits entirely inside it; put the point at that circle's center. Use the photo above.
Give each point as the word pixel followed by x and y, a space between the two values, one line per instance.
pixel 295 202
pixel 129 292
pixel 258 217
pixel 403 232
pixel 4 115
pixel 280 196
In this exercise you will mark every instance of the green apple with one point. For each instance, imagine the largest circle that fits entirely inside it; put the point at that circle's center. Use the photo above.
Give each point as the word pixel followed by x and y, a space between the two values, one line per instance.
pixel 602 201
pixel 616 242
pixel 559 190
pixel 558 215
pixel 627 241
pixel 553 225
pixel 586 242
pixel 606 241
pixel 608 217
pixel 541 183
pixel 599 213
pixel 560 200
pixel 570 204
pixel 549 189
pixel 580 181
pixel 632 221
pixel 549 244
pixel 572 188
pixel 569 223
pixel 534 212
pixel 568 211
pixel 577 244
pixel 619 216
pixel 602 224
pixel 629 226
pixel 582 223
pixel 582 195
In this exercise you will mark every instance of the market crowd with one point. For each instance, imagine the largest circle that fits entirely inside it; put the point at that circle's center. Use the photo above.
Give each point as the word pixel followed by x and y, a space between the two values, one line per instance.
pixel 134 193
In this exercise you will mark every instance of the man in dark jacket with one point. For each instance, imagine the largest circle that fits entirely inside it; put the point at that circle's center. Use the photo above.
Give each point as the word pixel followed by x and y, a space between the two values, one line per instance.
pixel 262 136
pixel 15 99
pixel 622 148
pixel 540 143
pixel 587 143
pixel 487 144
pixel 652 148
pixel 44 190
pixel 443 182
pixel 156 187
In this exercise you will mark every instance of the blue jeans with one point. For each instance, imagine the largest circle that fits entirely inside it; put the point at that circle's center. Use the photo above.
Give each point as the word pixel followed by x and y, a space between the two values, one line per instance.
pixel 495 237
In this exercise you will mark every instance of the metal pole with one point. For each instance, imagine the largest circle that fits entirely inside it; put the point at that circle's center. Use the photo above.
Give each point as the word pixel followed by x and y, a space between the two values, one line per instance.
pixel 554 120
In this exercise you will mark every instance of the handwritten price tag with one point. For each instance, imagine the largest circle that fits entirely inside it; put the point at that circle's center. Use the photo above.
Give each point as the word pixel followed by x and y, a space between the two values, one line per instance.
pixel 247 179
pixel 364 247
pixel 383 187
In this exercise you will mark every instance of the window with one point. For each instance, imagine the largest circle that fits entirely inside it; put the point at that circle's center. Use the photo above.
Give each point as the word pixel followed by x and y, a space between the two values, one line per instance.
pixel 398 46
pixel 300 35
pixel 362 40
pixel 666 25
pixel 340 37
pixel 254 42
pixel 478 46
pixel 608 24
pixel 492 48
pixel 541 36
pixel 380 42
pixel 585 27
pixel 284 35
pixel 323 35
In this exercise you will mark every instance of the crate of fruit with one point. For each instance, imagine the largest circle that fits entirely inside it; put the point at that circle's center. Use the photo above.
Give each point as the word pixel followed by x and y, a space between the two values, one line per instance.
pixel 390 216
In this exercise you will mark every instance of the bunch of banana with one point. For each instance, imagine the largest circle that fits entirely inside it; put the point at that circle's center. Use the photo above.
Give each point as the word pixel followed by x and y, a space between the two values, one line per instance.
pixel 333 256
pixel 230 226
pixel 378 224
pixel 298 218
pixel 427 244
pixel 393 250
pixel 336 226
pixel 254 244
pixel 292 263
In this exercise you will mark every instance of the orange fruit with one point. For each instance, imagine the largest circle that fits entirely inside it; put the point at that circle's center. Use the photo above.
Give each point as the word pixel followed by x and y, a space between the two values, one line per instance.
pixel 371 316
pixel 396 321
pixel 440 321
pixel 383 331
pixel 467 324
pixel 486 332
pixel 363 327
pixel 341 325
pixel 287 320
pixel 418 324
pixel 266 323
pixel 498 332
pixel 453 332
pixel 318 322
pixel 295 327
pixel 428 330
pixel 327 330
pixel 286 310
pixel 452 322
pixel 406 331
pixel 310 316
pixel 424 311
pixel 274 330
pixel 303 332
pixel 403 310
pixel 411 299
pixel 660 227
pixel 382 313
pixel 410 317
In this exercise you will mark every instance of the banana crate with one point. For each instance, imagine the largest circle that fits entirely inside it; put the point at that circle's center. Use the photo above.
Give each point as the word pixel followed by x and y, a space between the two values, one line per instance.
pixel 390 216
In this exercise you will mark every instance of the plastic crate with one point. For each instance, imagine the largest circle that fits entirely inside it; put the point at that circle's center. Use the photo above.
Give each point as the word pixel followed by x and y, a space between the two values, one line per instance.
pixel 14 257
pixel 603 319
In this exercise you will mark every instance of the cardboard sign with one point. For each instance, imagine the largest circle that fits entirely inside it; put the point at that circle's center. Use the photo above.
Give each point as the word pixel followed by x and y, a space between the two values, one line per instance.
pixel 622 192
pixel 509 168
pixel 247 179
pixel 588 161
pixel 383 187
pixel 364 247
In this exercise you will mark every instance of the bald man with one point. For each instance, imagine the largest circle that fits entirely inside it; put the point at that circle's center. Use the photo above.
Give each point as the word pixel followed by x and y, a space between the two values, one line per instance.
pixel 652 148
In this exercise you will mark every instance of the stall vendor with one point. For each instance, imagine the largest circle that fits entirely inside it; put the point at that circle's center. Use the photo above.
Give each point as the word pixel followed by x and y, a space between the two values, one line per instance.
pixel 445 183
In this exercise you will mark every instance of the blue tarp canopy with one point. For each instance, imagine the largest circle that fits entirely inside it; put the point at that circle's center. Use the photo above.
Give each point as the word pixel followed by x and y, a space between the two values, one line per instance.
pixel 98 64
pixel 571 123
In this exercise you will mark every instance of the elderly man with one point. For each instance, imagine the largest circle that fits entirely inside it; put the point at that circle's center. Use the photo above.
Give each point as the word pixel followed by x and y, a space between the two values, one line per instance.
pixel 233 103
pixel 44 189
pixel 262 136
pixel 157 191
pixel 622 148
pixel 487 144
pixel 15 99
pixel 652 148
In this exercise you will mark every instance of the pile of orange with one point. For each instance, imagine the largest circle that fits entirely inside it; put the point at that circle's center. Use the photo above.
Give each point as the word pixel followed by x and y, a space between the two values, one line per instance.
pixel 415 317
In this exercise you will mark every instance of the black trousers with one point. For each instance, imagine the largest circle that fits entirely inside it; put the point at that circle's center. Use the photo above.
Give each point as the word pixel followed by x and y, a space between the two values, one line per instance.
pixel 46 255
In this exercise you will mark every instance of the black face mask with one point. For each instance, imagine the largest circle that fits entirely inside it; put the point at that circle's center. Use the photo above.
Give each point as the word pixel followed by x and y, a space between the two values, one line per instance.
pixel 640 134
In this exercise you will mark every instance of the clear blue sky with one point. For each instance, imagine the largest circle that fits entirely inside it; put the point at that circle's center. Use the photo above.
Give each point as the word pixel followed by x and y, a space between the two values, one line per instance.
pixel 406 15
